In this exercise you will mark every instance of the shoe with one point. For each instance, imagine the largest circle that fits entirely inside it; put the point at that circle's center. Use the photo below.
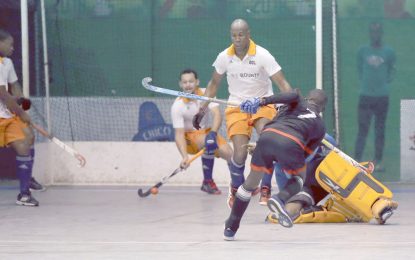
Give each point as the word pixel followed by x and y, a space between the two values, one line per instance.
pixel 229 234
pixel 36 186
pixel 277 206
pixel 26 200
pixel 265 195
pixel 210 187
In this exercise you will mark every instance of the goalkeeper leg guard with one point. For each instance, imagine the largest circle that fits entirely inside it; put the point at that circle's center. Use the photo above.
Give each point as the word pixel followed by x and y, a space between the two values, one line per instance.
pixel 353 190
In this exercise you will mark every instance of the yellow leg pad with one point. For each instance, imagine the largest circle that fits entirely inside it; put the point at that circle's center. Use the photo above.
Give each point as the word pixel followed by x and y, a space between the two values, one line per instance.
pixel 321 216
pixel 350 186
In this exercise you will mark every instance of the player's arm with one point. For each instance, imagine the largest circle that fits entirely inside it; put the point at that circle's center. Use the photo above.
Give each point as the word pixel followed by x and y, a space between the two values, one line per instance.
pixel 279 79
pixel 212 87
pixel 17 92
pixel 16 89
pixel 211 90
pixel 281 98
pixel 251 105
pixel 181 146
pixel 12 105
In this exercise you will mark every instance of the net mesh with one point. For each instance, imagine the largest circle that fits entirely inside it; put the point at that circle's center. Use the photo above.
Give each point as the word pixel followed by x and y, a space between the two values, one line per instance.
pixel 99 50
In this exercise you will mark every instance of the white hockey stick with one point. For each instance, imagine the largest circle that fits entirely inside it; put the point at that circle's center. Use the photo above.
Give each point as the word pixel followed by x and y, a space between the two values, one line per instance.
pixel 146 83
pixel 345 156
pixel 61 144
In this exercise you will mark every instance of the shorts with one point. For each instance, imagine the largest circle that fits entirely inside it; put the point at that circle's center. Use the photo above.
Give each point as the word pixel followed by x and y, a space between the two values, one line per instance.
pixel 11 129
pixel 192 147
pixel 239 123
pixel 274 147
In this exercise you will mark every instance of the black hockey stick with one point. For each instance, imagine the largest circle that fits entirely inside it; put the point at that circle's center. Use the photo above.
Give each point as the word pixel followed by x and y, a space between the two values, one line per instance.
pixel 166 178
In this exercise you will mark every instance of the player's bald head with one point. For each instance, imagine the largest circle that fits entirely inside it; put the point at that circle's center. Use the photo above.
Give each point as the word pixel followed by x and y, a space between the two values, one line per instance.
pixel 317 97
pixel 240 24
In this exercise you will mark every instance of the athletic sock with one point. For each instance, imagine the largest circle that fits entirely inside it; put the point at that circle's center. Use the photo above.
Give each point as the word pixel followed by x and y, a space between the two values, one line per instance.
pixel 24 167
pixel 208 161
pixel 237 173
pixel 240 204
pixel 266 180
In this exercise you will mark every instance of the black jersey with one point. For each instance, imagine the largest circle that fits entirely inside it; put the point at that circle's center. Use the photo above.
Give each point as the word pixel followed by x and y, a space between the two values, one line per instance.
pixel 298 118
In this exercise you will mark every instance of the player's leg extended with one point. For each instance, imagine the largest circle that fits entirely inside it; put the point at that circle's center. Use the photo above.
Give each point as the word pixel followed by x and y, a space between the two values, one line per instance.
pixel 242 199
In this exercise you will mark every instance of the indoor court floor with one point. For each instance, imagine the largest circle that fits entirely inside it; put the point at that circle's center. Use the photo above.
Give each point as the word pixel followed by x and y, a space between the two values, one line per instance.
pixel 108 222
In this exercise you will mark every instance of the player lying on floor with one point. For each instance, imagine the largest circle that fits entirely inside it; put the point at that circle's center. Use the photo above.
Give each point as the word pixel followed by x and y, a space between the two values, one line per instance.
pixel 356 196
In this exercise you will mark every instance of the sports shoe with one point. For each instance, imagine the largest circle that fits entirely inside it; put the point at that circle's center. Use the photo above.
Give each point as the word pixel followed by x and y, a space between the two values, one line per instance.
pixel 265 195
pixel 229 234
pixel 210 187
pixel 26 200
pixel 36 186
pixel 277 206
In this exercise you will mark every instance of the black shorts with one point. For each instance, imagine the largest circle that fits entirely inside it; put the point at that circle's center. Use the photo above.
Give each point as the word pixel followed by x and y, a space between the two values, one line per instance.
pixel 273 147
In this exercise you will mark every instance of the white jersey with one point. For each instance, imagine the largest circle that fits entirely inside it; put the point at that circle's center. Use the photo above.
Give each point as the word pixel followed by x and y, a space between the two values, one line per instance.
pixel 7 75
pixel 182 112
pixel 249 77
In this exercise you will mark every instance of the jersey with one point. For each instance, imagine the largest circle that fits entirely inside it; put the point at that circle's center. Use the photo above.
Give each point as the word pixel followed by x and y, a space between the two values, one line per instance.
pixel 7 75
pixel 249 77
pixel 376 70
pixel 183 110
pixel 297 118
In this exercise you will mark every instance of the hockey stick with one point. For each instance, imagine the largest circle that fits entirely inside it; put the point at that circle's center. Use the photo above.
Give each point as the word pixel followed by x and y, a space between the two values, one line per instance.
pixel 346 157
pixel 62 145
pixel 146 83
pixel 166 178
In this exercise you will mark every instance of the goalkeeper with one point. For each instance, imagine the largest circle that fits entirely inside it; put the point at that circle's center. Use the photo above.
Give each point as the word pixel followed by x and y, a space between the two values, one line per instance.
pixel 190 140
pixel 302 207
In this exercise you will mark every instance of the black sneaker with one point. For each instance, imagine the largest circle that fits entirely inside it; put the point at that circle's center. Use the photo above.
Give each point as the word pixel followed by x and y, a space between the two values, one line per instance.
pixel 277 206
pixel 36 186
pixel 229 234
pixel 26 200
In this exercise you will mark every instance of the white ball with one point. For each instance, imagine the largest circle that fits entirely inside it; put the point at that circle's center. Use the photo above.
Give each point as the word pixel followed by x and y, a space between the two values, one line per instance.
pixel 248 10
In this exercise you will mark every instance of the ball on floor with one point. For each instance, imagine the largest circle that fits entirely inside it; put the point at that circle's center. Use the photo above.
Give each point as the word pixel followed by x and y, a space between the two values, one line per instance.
pixel 154 190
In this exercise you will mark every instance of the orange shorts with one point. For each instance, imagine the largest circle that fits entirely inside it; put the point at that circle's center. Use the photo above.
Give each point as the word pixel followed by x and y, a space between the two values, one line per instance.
pixel 191 137
pixel 11 129
pixel 239 123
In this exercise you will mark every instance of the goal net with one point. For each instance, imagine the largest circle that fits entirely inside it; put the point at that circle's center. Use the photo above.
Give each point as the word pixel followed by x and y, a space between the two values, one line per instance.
pixel 99 50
